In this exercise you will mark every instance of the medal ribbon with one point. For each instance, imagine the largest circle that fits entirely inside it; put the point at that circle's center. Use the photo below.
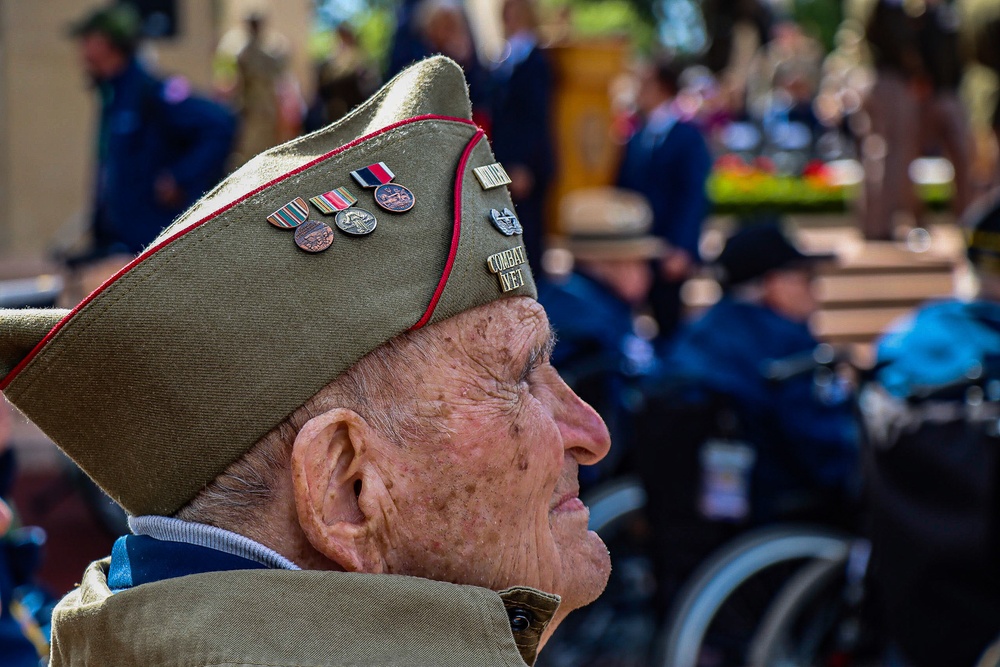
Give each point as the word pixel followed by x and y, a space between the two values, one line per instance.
pixel 373 175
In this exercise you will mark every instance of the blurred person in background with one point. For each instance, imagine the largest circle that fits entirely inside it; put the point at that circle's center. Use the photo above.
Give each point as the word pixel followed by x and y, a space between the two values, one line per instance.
pixel 444 28
pixel 260 67
pixel 16 649
pixel 407 46
pixel 789 54
pixel 593 309
pixel 723 22
pixel 520 114
pixel 159 148
pixel 986 41
pixel 667 161
pixel 344 79
pixel 891 140
pixel 803 435
pixel 932 472
pixel 944 118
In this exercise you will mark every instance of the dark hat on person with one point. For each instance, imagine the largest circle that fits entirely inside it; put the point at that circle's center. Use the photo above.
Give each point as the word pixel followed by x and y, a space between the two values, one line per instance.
pixel 756 250
pixel 267 289
pixel 120 23
pixel 608 224
pixel 982 225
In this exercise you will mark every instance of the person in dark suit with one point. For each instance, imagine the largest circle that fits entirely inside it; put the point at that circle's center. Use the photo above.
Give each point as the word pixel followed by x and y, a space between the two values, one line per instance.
pixel 159 148
pixel 668 162
pixel 520 110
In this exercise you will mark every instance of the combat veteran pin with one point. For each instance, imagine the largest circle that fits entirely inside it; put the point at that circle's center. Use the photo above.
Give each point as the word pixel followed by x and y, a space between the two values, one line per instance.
pixel 506 222
pixel 393 197
pixel 492 176
pixel 508 267
pixel 333 201
pixel 313 236
pixel 291 215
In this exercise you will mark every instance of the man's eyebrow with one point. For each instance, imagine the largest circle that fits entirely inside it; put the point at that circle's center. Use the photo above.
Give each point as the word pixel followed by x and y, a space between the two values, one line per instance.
pixel 539 354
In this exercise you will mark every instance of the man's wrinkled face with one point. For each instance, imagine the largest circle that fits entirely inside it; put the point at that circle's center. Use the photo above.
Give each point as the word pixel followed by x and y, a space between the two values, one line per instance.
pixel 490 498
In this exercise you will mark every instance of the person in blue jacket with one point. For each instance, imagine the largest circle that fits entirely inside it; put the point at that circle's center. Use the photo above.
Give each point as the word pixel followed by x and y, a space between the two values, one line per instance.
pixel 593 309
pixel 803 434
pixel 520 113
pixel 668 162
pixel 159 148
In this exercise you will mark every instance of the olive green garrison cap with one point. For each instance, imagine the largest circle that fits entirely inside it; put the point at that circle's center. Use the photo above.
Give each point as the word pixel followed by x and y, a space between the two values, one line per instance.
pixel 225 325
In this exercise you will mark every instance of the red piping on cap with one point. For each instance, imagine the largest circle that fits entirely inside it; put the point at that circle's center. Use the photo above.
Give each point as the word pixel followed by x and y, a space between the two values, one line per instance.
pixel 162 244
pixel 456 232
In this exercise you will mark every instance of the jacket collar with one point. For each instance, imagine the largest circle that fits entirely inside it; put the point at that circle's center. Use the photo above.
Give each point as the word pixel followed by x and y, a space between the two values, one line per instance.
pixel 301 618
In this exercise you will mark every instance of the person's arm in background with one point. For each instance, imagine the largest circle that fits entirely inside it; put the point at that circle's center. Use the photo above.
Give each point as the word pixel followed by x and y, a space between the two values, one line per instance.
pixel 532 163
pixel 207 129
pixel 691 205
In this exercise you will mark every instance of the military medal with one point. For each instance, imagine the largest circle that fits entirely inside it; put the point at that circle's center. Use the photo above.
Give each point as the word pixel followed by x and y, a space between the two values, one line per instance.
pixel 392 197
pixel 313 236
pixel 506 222
pixel 492 176
pixel 334 201
pixel 291 215
pixel 356 221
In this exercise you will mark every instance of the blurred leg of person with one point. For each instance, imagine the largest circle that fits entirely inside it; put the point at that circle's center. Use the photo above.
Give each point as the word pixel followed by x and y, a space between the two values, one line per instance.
pixel 887 151
pixel 947 124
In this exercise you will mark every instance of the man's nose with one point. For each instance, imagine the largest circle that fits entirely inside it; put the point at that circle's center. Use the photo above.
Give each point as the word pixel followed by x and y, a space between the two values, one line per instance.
pixel 583 431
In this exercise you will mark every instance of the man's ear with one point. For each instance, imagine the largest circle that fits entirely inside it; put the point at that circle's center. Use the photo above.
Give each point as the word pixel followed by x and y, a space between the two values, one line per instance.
pixel 337 489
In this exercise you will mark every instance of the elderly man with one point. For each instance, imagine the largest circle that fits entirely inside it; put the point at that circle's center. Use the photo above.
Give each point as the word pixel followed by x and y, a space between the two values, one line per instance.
pixel 338 446
pixel 804 438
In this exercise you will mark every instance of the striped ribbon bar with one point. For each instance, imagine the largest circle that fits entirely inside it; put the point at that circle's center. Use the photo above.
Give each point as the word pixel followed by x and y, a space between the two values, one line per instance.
pixel 373 175
pixel 492 176
pixel 334 200
pixel 292 214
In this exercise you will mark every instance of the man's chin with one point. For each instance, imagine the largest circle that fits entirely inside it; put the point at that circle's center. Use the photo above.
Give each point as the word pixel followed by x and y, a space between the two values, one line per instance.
pixel 587 571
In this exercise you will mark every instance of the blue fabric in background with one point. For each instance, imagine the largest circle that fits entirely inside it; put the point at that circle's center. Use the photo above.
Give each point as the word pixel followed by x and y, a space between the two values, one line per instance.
pixel 939 344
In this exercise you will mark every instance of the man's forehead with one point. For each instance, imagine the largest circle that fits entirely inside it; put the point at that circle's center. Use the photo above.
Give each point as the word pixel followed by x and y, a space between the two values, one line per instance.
pixel 502 327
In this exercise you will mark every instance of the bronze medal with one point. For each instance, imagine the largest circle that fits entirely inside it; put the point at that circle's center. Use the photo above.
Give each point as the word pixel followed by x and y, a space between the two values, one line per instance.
pixel 313 236
pixel 356 221
pixel 394 198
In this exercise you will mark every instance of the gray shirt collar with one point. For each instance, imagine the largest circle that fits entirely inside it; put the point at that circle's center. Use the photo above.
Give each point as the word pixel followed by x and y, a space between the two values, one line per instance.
pixel 203 535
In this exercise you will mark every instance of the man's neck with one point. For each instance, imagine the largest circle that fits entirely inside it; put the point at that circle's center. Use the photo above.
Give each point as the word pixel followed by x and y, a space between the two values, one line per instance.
pixel 175 530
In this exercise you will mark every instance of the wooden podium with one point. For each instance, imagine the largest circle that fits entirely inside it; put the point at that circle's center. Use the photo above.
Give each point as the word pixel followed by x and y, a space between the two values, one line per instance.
pixel 587 154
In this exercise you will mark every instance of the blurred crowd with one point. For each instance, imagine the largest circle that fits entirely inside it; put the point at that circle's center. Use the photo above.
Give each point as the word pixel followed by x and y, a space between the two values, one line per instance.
pixel 765 94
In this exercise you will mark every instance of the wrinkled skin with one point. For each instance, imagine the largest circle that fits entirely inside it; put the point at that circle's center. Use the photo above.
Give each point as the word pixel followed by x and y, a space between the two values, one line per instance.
pixel 494 502
pixel 490 496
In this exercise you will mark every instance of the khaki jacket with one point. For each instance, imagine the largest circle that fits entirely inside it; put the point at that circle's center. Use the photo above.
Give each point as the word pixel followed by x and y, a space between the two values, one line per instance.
pixel 279 618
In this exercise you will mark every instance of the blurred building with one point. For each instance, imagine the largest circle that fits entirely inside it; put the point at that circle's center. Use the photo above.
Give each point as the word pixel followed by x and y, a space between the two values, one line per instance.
pixel 47 123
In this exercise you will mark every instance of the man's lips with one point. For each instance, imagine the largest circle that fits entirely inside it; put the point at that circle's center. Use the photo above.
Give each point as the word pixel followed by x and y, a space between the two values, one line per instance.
pixel 569 502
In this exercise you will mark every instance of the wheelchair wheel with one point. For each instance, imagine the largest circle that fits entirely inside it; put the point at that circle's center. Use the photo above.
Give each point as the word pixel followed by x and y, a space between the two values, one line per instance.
pixel 802 618
pixel 718 611
pixel 615 503
pixel 618 628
